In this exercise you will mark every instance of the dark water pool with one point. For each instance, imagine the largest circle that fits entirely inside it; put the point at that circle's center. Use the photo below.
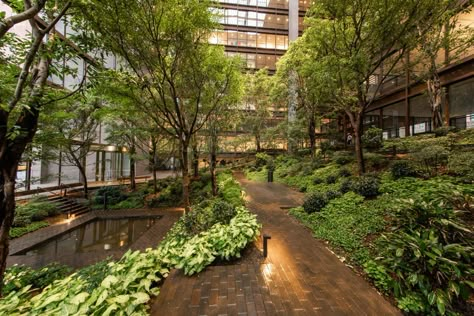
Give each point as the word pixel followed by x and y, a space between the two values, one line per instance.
pixel 97 235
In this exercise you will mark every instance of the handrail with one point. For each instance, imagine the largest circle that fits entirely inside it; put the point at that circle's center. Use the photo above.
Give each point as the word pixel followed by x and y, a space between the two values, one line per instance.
pixel 48 189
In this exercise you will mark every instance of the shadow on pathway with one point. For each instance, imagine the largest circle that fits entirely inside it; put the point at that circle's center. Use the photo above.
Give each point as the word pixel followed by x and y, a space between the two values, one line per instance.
pixel 299 276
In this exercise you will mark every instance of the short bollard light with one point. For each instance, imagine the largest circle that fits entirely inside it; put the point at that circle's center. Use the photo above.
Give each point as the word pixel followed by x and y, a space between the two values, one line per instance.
pixel 265 244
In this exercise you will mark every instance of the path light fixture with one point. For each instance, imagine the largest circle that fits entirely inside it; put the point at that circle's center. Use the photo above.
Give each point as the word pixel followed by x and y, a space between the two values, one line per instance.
pixel 265 244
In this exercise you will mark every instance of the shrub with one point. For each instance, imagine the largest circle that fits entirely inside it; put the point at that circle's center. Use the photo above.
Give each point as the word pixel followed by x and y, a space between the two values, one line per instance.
pixel 346 186
pixel 303 188
pixel 430 159
pixel 314 202
pixel 402 168
pixel 20 231
pixel 443 131
pixel 462 164
pixel 345 173
pixel 223 212
pixel 36 209
pixel 378 273
pixel 332 194
pixel 372 138
pixel 39 215
pixel 343 157
pixel 429 254
pixel 20 276
pixel 114 195
pixel 366 186
pixel 261 159
pixel 318 181
pixel 21 221
pixel 331 179
pixel 375 161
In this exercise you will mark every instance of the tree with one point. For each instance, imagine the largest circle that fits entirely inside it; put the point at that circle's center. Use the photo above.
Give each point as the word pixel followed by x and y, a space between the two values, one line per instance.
pixel 445 36
pixel 70 128
pixel 164 44
pixel 359 44
pixel 257 101
pixel 312 87
pixel 21 74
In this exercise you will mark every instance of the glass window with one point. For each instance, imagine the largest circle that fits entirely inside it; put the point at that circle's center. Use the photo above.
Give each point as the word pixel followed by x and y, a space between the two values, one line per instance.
pixel 262 41
pixel 270 41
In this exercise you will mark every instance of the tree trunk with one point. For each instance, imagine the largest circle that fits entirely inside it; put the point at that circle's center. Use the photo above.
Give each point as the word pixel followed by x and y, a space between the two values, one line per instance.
pixel 133 184
pixel 435 96
pixel 185 175
pixel 312 135
pixel 7 211
pixel 83 179
pixel 358 145
pixel 257 143
pixel 213 163
pixel 153 163
pixel 195 160
pixel 356 122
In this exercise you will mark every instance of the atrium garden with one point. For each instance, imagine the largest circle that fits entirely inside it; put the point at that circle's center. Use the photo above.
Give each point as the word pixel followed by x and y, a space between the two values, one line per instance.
pixel 194 157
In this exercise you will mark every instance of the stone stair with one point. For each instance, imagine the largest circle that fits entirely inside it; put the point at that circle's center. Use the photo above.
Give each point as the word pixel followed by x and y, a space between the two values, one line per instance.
pixel 69 206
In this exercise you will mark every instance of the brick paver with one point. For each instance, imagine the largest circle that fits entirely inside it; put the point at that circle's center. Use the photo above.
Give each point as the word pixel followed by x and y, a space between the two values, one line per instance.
pixel 149 239
pixel 299 277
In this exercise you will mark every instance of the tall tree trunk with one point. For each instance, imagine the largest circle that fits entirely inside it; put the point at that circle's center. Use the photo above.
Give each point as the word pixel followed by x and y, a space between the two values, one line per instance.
pixel 312 134
pixel 195 158
pixel 133 184
pixel 83 179
pixel 435 96
pixel 185 174
pixel 7 211
pixel 356 122
pixel 153 162
pixel 257 143
pixel 213 160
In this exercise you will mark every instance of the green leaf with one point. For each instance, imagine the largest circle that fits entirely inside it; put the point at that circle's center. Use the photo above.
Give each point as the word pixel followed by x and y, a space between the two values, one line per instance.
pixel 79 298
pixel 441 305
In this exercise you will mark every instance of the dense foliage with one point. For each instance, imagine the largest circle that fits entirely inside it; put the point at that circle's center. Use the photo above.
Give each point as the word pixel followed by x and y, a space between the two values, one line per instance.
pixel 408 224
pixel 223 228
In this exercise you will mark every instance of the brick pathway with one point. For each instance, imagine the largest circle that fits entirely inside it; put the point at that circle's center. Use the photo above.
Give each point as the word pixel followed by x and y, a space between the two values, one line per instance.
pixel 150 238
pixel 299 277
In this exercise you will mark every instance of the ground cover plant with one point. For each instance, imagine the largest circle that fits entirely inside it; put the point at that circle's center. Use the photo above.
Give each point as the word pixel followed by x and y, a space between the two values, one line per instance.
pixel 408 224
pixel 30 215
pixel 216 229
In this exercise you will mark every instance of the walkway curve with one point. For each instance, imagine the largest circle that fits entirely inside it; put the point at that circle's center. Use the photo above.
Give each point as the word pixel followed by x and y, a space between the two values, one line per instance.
pixel 300 276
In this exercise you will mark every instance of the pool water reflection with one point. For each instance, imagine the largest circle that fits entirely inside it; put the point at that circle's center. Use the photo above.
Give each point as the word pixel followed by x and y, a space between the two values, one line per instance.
pixel 97 235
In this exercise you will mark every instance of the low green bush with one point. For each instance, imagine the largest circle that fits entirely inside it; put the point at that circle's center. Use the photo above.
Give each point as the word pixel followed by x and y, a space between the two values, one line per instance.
pixel 428 253
pixel 343 157
pixel 331 179
pixel 332 194
pixel 17 277
pixel 314 202
pixel 261 159
pixel 114 195
pixel 345 173
pixel 318 181
pixel 366 186
pixel 462 165
pixel 430 159
pixel 372 138
pixel 229 189
pixel 375 162
pixel 346 186
pixel 402 168
pixel 34 210
pixel 16 232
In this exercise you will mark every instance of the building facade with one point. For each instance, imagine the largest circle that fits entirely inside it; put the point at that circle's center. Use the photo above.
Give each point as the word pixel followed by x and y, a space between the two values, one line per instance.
pixel 259 30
